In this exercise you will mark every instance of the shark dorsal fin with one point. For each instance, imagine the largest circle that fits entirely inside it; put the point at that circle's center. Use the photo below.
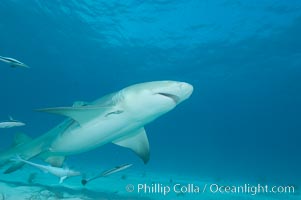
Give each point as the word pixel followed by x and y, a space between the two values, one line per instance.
pixel 79 114
pixel 21 138
pixel 138 143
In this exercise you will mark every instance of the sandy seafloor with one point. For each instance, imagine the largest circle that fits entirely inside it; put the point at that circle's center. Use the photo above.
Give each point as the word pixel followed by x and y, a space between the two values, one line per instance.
pixel 43 186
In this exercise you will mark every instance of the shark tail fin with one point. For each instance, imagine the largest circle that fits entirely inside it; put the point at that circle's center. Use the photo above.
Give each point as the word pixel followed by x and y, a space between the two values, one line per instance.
pixel 29 148
pixel 21 138
pixel 16 164
pixel 9 156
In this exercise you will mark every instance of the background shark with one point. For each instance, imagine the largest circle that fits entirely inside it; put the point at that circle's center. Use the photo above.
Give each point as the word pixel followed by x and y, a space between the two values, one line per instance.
pixel 13 62
pixel 118 118
pixel 11 123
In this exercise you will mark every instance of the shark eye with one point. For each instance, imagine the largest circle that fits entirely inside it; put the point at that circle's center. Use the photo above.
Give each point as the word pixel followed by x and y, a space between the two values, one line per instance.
pixel 171 96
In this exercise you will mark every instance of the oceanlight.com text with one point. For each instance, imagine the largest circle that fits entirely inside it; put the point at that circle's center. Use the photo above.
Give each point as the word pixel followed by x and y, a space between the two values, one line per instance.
pixel 251 189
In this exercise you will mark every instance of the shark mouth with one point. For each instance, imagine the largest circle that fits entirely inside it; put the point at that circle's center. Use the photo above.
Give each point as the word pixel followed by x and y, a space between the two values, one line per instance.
pixel 175 98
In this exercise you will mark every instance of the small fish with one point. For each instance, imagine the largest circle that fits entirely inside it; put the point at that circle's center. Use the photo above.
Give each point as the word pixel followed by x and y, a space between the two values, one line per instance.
pixel 13 62
pixel 107 173
pixel 62 173
pixel 11 123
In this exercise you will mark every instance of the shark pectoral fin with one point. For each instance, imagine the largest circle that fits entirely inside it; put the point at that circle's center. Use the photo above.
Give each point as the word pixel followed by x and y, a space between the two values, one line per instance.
pixel 79 114
pixel 138 143
pixel 62 179
pixel 55 161
pixel 21 138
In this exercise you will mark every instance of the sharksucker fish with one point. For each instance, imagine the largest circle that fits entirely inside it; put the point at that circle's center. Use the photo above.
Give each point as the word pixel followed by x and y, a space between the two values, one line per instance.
pixel 118 118
pixel 106 173
pixel 62 173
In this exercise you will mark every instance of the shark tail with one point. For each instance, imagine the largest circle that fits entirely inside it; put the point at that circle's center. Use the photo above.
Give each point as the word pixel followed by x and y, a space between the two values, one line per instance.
pixel 28 148
pixel 21 148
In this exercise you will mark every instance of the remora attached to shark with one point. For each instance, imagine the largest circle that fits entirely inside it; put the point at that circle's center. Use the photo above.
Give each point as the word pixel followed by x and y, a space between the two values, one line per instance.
pixel 106 173
pixel 118 118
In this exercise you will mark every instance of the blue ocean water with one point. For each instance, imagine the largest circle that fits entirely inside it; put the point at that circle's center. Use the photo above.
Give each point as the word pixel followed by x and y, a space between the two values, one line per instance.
pixel 242 57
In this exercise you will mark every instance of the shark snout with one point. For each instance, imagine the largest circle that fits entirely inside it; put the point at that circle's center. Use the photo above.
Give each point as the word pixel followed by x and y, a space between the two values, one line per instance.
pixel 186 90
pixel 186 87
pixel 176 91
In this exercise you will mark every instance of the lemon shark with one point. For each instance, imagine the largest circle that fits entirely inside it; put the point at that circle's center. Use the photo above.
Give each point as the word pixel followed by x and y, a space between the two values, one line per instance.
pixel 117 118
